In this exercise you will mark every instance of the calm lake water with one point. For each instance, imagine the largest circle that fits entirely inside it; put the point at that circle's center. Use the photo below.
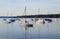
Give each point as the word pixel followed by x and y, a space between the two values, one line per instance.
pixel 38 31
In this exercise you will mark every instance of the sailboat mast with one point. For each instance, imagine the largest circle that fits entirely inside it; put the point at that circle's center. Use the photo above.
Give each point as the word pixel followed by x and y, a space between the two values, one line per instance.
pixel 38 11
pixel 25 18
pixel 25 10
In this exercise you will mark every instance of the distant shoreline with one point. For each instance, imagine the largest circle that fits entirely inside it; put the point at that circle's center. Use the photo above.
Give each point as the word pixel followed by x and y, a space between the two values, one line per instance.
pixel 34 16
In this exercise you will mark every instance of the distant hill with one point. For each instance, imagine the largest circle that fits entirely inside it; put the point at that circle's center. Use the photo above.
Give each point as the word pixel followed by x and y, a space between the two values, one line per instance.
pixel 34 16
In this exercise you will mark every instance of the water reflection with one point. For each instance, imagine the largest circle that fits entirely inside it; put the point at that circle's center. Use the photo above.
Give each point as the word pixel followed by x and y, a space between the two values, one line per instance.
pixel 39 31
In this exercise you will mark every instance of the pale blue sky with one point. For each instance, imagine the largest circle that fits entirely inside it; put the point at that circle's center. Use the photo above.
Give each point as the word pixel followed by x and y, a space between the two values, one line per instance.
pixel 16 7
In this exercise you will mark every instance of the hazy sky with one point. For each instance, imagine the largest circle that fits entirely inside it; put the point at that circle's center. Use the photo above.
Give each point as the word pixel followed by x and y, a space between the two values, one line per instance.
pixel 16 7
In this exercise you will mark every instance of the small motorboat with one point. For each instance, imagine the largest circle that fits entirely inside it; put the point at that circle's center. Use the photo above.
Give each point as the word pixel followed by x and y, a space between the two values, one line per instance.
pixel 10 21
pixel 26 24
pixel 48 20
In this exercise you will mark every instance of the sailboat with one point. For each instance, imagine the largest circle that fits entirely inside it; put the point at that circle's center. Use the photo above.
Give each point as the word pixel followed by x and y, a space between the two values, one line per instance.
pixel 26 24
